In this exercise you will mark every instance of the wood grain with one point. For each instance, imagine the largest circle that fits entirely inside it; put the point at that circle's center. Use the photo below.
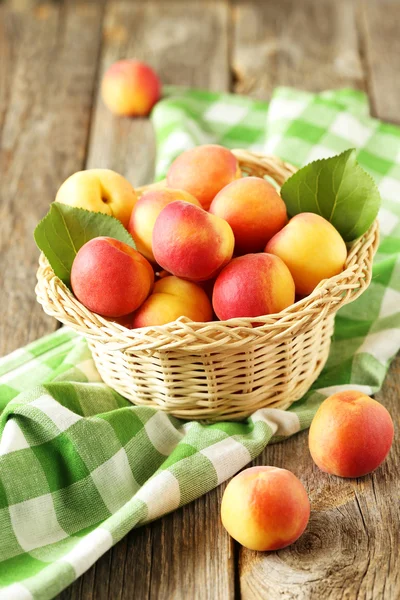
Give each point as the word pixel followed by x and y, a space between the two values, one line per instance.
pixel 310 45
pixel 186 554
pixel 43 139
pixel 9 29
pixel 350 548
pixel 379 32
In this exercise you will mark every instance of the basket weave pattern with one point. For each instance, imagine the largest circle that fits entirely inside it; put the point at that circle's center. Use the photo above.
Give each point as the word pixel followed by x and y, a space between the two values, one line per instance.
pixel 222 369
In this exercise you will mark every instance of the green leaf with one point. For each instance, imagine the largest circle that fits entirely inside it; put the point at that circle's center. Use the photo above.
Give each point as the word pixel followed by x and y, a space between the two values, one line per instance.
pixel 65 229
pixel 339 190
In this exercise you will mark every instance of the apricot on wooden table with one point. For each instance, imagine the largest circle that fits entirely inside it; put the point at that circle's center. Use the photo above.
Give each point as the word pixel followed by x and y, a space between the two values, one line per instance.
pixel 350 435
pixel 265 508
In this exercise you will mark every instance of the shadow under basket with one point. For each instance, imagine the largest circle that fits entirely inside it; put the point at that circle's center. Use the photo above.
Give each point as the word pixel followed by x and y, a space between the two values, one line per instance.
pixel 221 370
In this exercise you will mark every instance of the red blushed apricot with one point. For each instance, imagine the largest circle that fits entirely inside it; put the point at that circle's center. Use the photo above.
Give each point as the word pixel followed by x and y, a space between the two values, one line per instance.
pixel 311 248
pixel 172 298
pixel 265 508
pixel 190 243
pixel 130 88
pixel 110 278
pixel 251 286
pixel 350 435
pixel 254 210
pixel 145 213
pixel 203 171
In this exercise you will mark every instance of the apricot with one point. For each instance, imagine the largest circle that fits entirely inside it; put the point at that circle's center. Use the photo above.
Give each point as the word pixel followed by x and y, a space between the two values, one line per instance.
pixel 254 210
pixel 312 249
pixel 145 213
pixel 172 298
pixel 350 435
pixel 190 243
pixel 265 508
pixel 99 190
pixel 251 286
pixel 130 88
pixel 203 171
pixel 110 278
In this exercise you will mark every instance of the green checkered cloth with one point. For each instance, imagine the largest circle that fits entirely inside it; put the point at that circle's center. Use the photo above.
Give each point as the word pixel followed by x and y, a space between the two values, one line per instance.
pixel 79 465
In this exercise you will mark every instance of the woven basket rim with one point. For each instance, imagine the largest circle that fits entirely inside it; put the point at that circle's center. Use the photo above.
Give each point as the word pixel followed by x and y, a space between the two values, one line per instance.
pixel 336 291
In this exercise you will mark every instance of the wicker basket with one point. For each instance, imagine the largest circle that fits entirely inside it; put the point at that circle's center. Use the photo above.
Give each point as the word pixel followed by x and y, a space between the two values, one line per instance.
pixel 222 369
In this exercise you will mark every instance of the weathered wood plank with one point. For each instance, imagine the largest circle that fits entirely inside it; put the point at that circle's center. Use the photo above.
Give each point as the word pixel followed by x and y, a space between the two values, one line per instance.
pixel 184 555
pixel 350 548
pixel 310 45
pixel 9 26
pixel 46 117
pixel 379 32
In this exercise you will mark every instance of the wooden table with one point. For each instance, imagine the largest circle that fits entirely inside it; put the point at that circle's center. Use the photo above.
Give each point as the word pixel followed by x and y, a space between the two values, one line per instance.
pixel 52 123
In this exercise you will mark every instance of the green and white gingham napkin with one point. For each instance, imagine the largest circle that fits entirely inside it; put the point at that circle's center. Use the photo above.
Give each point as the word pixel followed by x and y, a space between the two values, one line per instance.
pixel 79 465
